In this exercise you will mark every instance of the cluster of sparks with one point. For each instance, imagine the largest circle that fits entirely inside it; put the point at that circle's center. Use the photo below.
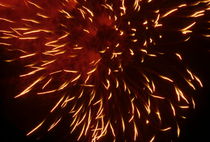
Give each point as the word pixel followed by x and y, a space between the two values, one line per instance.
pixel 95 55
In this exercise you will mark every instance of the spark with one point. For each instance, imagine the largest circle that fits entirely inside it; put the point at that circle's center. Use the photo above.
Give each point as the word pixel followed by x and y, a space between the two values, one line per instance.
pixel 179 56
pixel 152 139
pixel 32 72
pixel 68 16
pixel 6 44
pixel 46 92
pixel 29 88
pixel 37 31
pixel 158 97
pixel 135 131
pixel 166 78
pixel 5 5
pixel 123 124
pixel 42 15
pixel 54 124
pixel 28 38
pixel 169 12
pixel 185 30
pixel 173 109
pixel 198 13
pixel 112 129
pixel 178 131
pixel 56 104
pixel 31 20
pixel 33 130
pixel 199 81
pixel 76 78
pixel 166 129
pixel 7 20
pixel 34 4
pixel 180 94
pixel 26 56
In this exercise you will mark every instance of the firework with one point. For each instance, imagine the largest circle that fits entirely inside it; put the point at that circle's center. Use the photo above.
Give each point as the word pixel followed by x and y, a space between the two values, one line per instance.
pixel 116 65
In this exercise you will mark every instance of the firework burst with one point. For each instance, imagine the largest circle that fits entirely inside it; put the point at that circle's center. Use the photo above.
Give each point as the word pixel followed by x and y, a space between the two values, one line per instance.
pixel 114 64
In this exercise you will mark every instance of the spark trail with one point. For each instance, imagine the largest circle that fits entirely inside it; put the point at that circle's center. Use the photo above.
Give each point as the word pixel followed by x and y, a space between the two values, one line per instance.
pixel 110 61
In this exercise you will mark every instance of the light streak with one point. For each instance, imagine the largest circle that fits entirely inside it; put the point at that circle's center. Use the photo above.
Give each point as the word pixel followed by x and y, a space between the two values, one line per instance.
pixel 56 105
pixel 166 129
pixel 29 88
pixel 34 4
pixel 169 12
pixel 31 20
pixel 152 139
pixel 135 131
pixel 28 55
pixel 166 78
pixel 46 92
pixel 54 124
pixel 33 130
pixel 7 20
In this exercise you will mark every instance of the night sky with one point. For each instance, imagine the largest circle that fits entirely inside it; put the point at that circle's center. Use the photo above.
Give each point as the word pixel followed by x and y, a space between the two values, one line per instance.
pixel 15 114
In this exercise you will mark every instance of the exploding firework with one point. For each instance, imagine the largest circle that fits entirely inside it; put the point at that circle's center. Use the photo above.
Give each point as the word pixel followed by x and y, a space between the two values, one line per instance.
pixel 116 65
